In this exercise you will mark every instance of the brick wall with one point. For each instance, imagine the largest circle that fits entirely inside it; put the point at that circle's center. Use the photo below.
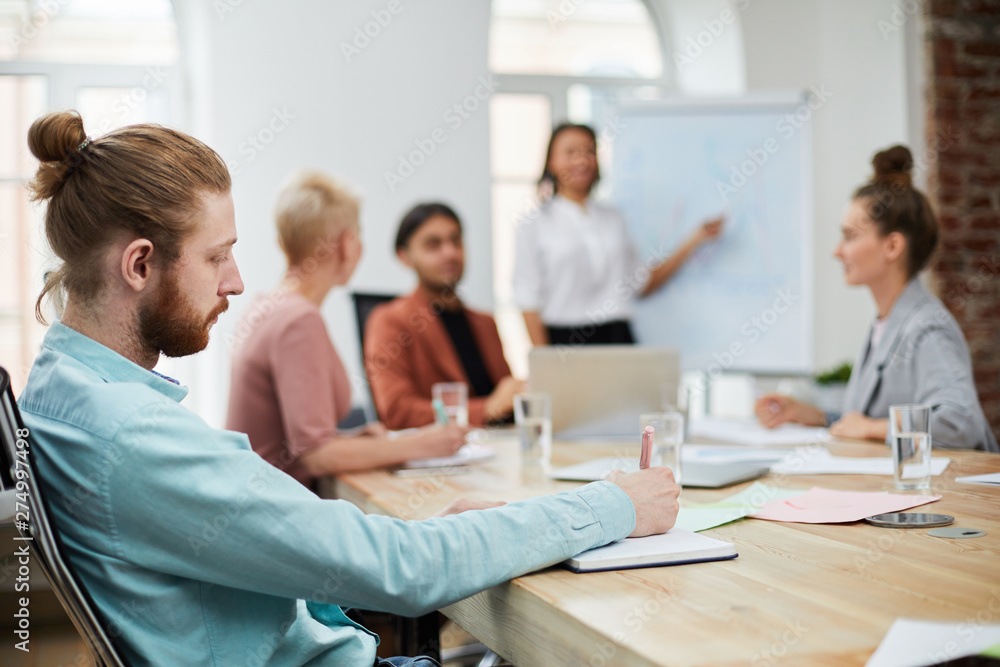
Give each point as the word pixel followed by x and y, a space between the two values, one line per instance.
pixel 963 128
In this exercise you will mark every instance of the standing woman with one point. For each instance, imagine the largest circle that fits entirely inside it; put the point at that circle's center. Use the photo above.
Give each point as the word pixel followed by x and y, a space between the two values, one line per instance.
pixel 915 351
pixel 576 269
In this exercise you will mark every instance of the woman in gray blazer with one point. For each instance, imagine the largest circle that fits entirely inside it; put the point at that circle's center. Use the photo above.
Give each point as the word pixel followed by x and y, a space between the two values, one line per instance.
pixel 915 351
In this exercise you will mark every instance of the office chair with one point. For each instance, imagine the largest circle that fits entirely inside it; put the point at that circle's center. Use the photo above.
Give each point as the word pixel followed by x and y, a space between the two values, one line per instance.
pixel 418 635
pixel 364 304
pixel 18 472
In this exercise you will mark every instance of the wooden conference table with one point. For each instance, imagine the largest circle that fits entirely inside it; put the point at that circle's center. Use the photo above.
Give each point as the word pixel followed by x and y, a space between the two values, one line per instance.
pixel 809 594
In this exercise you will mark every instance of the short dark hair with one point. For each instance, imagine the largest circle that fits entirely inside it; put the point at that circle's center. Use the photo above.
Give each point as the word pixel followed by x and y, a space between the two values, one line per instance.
pixel 417 216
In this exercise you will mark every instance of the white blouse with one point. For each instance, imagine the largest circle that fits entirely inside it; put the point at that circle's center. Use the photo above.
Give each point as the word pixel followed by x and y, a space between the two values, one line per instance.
pixel 576 265
pixel 878 328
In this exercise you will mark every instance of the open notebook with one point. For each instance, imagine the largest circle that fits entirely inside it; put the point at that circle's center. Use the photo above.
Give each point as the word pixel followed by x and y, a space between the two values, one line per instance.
pixel 675 547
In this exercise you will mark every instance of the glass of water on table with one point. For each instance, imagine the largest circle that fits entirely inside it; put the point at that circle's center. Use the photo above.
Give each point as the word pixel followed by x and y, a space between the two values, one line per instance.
pixel 454 397
pixel 910 437
pixel 668 437
pixel 533 417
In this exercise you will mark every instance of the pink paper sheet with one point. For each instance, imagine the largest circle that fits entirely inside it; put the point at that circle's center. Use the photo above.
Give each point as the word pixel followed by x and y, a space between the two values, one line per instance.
pixel 821 505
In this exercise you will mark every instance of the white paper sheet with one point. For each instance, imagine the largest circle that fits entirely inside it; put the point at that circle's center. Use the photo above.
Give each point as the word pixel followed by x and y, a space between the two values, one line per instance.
pixel 916 643
pixel 750 432
pixel 823 463
pixel 992 479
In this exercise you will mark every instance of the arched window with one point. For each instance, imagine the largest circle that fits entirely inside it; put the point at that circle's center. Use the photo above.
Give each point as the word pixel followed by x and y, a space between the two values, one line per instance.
pixel 609 38
pixel 557 60
pixel 110 59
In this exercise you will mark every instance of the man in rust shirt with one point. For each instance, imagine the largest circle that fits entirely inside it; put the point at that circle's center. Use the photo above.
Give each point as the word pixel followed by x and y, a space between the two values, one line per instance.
pixel 429 336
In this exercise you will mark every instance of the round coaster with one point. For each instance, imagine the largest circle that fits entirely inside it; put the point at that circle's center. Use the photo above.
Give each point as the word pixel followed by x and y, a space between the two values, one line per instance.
pixel 957 532
pixel 909 520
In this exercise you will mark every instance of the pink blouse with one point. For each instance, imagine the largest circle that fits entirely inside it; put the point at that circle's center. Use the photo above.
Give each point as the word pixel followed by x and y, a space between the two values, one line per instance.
pixel 289 389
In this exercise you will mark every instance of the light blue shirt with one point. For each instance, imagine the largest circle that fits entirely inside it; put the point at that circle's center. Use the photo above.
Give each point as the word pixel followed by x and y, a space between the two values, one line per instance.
pixel 198 552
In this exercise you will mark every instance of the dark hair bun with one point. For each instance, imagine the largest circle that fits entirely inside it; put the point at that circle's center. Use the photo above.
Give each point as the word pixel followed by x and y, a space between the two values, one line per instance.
pixel 52 139
pixel 893 166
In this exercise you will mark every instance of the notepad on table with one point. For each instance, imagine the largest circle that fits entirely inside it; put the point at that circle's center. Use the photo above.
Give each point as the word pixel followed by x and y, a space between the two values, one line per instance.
pixel 465 455
pixel 675 547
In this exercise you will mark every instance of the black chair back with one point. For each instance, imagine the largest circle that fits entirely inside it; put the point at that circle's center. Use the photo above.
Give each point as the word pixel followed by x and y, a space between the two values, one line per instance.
pixel 364 304
pixel 31 518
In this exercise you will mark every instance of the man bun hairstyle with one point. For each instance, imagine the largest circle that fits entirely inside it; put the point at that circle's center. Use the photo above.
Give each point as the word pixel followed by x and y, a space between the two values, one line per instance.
pixel 55 140
pixel 894 205
pixel 140 181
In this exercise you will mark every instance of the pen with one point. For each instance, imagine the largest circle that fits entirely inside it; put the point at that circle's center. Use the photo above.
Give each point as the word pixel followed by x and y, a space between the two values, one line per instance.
pixel 442 416
pixel 647 447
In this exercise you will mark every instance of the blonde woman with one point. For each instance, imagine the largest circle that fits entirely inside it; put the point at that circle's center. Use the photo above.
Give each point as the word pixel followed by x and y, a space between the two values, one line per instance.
pixel 289 388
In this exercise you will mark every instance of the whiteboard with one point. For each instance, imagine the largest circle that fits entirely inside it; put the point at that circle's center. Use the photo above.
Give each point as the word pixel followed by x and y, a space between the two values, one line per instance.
pixel 744 301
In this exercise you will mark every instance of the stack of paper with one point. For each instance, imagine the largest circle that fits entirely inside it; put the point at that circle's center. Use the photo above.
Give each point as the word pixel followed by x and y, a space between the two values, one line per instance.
pixel 821 462
pixel 829 506
pixel 750 432
pixel 737 506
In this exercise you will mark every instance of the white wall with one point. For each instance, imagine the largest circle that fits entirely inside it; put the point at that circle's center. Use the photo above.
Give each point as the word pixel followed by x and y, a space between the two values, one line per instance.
pixel 704 45
pixel 836 45
pixel 353 119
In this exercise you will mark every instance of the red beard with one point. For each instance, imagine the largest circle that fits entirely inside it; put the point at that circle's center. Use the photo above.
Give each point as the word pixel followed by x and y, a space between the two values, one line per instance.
pixel 170 324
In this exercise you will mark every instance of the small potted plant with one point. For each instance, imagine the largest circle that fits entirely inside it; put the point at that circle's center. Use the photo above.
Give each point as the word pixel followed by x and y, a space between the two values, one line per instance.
pixel 830 386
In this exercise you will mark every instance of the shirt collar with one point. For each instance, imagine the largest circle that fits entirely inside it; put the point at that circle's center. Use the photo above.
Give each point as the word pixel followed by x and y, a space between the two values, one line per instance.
pixel 111 366
pixel 584 210
pixel 430 300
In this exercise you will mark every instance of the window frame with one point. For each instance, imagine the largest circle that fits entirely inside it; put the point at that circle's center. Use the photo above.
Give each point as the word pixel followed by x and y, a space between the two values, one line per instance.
pixel 63 81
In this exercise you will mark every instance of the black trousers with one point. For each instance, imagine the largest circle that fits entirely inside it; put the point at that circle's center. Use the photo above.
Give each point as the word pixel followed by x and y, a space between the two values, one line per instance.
pixel 617 332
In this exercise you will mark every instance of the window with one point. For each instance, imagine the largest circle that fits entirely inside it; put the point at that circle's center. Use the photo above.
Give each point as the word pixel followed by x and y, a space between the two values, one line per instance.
pixel 22 99
pixel 106 32
pixel 109 59
pixel 614 38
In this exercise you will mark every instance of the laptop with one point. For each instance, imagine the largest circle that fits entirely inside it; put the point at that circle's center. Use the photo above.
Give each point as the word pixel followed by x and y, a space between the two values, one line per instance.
pixel 693 475
pixel 599 391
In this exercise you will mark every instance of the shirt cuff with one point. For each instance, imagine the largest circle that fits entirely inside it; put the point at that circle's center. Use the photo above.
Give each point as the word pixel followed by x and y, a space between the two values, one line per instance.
pixel 530 304
pixel 612 507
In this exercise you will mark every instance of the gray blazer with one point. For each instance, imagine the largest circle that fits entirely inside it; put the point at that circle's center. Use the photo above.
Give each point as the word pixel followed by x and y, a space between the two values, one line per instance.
pixel 922 357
